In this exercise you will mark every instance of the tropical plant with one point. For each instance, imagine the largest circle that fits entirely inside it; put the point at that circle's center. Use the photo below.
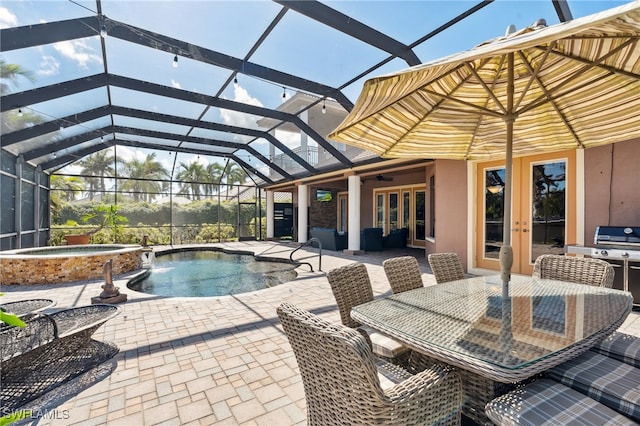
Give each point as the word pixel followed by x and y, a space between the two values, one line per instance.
pixel 106 216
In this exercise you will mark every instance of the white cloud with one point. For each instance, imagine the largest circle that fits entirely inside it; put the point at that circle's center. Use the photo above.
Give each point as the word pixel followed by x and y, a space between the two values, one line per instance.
pixel 78 51
pixel 237 118
pixel 7 19
pixel 175 84
pixel 49 66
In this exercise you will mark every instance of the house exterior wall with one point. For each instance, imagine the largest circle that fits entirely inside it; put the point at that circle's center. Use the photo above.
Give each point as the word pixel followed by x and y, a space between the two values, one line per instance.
pixel 451 209
pixel 366 201
pixel 612 182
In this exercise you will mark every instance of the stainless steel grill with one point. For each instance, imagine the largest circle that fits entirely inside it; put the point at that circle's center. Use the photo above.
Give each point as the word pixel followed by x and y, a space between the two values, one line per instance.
pixel 620 246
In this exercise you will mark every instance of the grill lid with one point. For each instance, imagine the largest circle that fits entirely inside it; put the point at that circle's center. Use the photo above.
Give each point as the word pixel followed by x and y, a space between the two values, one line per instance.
pixel 620 236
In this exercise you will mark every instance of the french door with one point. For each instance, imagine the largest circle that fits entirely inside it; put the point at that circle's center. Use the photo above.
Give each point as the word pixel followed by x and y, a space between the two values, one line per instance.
pixel 402 207
pixel 543 209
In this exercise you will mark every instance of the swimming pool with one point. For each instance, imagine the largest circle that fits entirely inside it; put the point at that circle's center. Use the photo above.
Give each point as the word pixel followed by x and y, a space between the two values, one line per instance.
pixel 201 273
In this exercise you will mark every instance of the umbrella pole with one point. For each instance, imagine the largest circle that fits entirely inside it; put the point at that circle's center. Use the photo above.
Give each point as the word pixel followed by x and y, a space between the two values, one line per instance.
pixel 506 251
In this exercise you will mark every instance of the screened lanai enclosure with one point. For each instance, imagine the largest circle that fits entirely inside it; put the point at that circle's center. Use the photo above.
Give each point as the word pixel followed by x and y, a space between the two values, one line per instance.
pixel 166 122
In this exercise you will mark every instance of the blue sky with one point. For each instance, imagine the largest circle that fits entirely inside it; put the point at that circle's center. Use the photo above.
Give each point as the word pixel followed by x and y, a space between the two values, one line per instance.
pixel 298 46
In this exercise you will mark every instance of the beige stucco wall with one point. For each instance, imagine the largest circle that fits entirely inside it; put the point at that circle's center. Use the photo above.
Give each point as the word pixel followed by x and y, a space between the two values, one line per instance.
pixel 451 208
pixel 612 186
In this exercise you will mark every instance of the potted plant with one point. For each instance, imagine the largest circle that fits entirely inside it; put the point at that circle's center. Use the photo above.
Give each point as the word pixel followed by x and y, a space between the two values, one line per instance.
pixel 104 216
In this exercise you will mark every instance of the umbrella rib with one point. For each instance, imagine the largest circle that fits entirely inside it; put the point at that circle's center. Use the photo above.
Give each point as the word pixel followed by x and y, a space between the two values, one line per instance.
pixel 437 105
pixel 486 88
pixel 534 73
pixel 588 65
pixel 481 110
pixel 551 100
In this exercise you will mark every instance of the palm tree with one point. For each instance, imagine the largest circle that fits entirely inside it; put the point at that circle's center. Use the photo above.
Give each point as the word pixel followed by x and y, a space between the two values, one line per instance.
pixel 63 189
pixel 9 74
pixel 235 175
pixel 144 178
pixel 66 187
pixel 15 119
pixel 214 173
pixel 100 164
pixel 194 175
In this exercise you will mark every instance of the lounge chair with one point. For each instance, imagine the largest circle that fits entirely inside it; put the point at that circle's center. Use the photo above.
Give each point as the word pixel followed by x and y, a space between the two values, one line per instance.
pixel 24 307
pixel 50 350
pixel 62 331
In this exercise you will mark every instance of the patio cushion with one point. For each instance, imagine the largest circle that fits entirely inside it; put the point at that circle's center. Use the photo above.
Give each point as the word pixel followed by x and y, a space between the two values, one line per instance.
pixel 383 345
pixel 622 347
pixel 390 374
pixel 545 402
pixel 607 380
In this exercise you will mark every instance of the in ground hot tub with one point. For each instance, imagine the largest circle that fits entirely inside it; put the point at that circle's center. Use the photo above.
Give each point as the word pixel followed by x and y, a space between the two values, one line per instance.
pixel 57 265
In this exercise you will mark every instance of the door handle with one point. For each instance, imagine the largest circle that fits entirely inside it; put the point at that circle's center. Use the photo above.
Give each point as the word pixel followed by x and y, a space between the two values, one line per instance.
pixel 524 230
pixel 515 229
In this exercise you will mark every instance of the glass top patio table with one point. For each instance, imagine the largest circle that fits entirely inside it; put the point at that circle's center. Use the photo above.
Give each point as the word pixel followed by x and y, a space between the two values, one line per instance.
pixel 469 324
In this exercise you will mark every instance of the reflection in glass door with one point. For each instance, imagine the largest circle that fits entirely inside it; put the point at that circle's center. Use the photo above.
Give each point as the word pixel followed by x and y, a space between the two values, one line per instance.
pixel 342 212
pixel 420 231
pixel 493 212
pixel 380 213
pixel 548 208
pixel 406 213
pixel 393 211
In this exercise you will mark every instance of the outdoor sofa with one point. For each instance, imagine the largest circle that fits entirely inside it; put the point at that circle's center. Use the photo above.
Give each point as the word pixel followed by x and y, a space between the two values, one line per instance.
pixel 330 238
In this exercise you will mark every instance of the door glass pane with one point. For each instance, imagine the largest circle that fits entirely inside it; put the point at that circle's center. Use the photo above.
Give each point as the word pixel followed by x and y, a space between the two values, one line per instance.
pixel 343 213
pixel 493 212
pixel 548 208
pixel 406 209
pixel 420 225
pixel 380 212
pixel 393 211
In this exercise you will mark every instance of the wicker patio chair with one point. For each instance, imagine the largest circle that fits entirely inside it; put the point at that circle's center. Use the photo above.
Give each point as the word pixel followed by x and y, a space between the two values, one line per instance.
pixel 581 270
pixel 446 267
pixel 403 273
pixel 351 286
pixel 342 379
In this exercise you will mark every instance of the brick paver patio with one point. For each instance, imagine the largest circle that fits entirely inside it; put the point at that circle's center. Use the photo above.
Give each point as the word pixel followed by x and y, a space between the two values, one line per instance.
pixel 202 361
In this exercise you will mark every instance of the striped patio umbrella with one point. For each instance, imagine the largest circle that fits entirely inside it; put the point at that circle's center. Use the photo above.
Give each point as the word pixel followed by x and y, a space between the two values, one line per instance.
pixel 542 89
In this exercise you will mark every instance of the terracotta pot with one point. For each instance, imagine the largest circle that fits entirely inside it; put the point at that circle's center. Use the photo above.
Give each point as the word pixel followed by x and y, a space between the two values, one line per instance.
pixel 76 239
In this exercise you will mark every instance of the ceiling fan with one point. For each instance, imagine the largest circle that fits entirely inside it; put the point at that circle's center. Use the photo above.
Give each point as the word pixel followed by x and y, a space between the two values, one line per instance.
pixel 379 178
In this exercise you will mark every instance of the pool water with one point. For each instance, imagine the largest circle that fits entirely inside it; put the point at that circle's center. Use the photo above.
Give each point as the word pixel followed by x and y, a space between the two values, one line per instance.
pixel 211 273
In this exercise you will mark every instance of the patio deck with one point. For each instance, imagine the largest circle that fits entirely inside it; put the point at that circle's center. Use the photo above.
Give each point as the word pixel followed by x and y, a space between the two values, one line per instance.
pixel 202 361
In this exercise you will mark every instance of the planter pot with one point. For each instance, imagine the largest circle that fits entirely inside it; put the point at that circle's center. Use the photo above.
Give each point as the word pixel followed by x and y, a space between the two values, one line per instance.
pixel 77 239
